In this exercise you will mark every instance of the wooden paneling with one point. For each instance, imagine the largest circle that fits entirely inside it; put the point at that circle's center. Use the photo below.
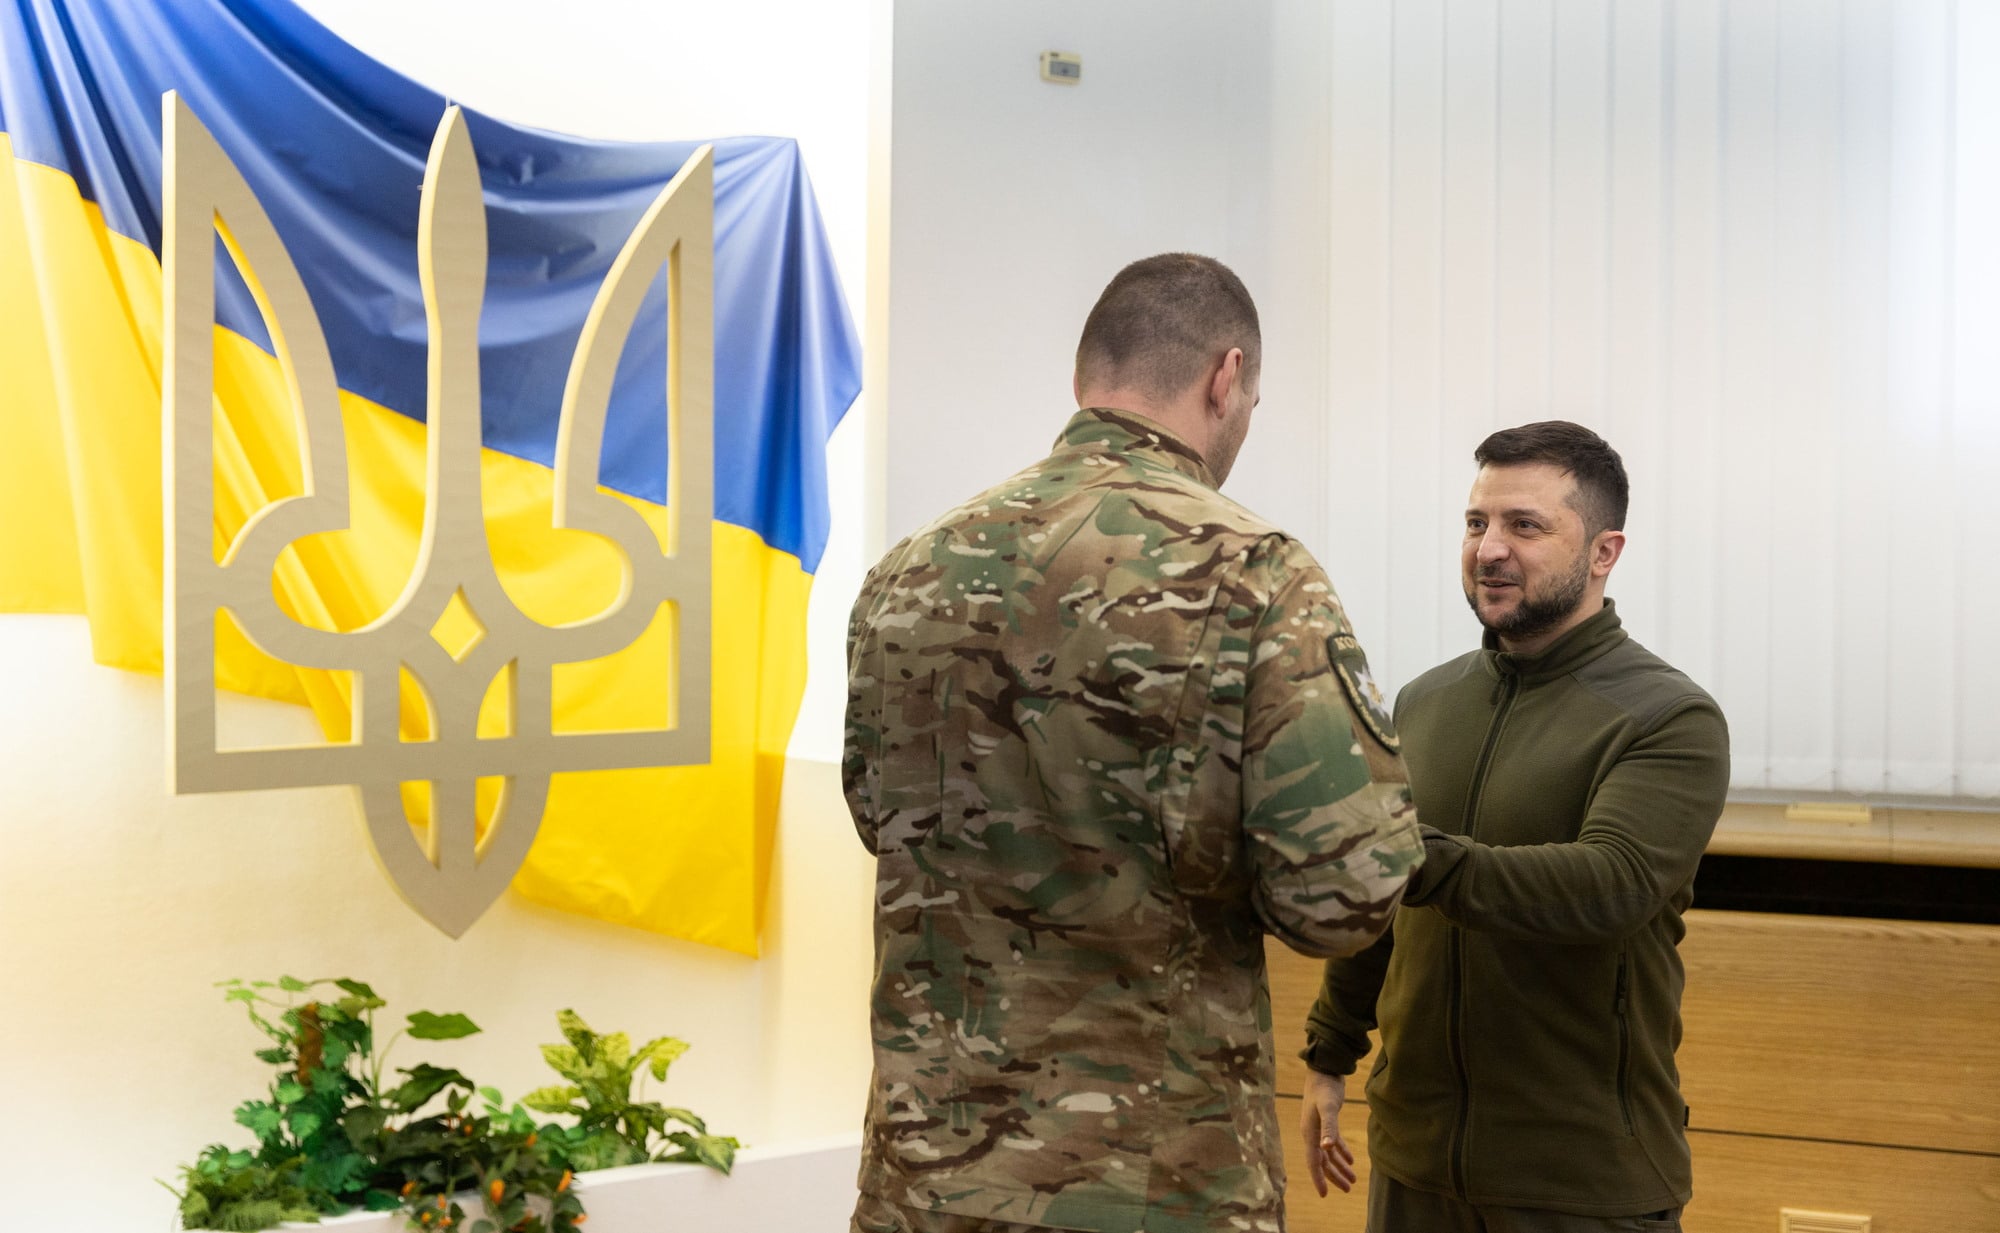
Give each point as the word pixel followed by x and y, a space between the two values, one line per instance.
pixel 1305 1211
pixel 1831 1064
pixel 1832 1028
pixel 1294 985
pixel 1741 1181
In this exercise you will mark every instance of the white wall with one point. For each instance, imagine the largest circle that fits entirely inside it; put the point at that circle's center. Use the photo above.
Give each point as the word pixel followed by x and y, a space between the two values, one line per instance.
pixel 120 906
pixel 1015 200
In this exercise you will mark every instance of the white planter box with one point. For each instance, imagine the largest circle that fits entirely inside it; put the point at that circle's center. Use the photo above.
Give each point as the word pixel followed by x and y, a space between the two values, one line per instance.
pixel 803 1187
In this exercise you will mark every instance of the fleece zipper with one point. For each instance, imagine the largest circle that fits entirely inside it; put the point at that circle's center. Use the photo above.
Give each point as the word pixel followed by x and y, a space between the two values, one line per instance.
pixel 1624 1045
pixel 1509 686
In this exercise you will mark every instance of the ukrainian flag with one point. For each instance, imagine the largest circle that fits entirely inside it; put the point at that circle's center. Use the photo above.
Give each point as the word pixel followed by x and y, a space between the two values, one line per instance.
pixel 334 146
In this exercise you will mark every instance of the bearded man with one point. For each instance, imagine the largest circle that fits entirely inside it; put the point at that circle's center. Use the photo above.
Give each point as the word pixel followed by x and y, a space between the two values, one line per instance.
pixel 1528 995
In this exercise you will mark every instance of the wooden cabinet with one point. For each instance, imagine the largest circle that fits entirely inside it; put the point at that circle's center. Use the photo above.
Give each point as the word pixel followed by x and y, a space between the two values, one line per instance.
pixel 1829 1064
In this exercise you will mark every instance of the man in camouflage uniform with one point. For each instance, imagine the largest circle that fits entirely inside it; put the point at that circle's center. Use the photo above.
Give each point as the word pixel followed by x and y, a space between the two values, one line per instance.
pixel 1105 729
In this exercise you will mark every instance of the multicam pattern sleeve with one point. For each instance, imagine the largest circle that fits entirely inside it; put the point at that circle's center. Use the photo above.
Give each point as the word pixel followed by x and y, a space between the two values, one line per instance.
pixel 1105 729
pixel 1326 804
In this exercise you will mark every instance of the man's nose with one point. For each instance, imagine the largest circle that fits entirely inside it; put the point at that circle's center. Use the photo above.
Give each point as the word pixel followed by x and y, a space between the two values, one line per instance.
pixel 1492 547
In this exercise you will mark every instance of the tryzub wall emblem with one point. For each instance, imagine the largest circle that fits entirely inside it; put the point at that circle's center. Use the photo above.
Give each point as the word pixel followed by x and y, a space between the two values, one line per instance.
pixel 452 873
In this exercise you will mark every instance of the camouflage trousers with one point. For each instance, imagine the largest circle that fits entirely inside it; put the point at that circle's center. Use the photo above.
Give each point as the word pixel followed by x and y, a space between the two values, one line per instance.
pixel 874 1215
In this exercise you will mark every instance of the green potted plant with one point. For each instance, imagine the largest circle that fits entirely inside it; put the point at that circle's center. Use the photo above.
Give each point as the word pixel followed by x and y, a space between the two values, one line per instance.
pixel 334 1132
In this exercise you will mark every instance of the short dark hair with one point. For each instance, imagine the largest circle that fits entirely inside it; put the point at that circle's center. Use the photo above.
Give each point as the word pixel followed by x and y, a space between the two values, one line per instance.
pixel 1602 492
pixel 1164 320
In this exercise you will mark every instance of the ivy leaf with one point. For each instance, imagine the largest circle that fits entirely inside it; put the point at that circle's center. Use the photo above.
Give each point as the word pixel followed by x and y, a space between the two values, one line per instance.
pixel 426 1026
pixel 356 989
pixel 261 1116
pixel 292 984
pixel 663 1051
pixel 240 994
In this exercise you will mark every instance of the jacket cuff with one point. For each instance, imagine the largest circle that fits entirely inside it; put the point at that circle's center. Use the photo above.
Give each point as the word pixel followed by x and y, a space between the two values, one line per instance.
pixel 1326 1057
pixel 1442 854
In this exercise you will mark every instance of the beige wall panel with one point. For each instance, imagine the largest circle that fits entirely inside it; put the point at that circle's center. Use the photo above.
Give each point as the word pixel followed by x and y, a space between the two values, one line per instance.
pixel 1305 1211
pixel 1741 1181
pixel 1863 1030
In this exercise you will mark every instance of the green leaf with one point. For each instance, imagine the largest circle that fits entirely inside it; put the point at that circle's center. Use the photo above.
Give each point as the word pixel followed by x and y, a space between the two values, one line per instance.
pixel 557 1099
pixel 577 1032
pixel 492 1096
pixel 276 1057
pixel 616 1050
pixel 564 1060
pixel 304 1123
pixel 663 1051
pixel 245 996
pixel 260 1116
pixel 362 1124
pixel 426 1026
pixel 289 1092
pixel 292 984
pixel 425 1081
pixel 686 1118
pixel 717 1151
pixel 356 988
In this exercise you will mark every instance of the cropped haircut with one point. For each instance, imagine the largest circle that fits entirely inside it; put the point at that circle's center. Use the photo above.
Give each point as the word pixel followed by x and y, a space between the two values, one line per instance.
pixel 1602 492
pixel 1164 321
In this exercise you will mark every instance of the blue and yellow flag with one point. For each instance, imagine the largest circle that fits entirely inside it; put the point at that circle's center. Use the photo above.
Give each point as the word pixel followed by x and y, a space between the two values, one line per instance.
pixel 334 146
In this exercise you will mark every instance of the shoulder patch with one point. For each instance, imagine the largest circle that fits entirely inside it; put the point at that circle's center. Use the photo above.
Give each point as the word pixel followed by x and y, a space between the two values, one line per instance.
pixel 1364 696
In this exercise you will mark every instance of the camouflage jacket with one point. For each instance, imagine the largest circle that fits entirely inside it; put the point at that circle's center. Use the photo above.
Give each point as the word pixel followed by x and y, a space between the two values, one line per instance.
pixel 1105 729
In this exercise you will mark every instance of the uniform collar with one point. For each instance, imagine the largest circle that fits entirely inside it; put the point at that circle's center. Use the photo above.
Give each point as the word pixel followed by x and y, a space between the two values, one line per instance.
pixel 1108 430
pixel 1566 654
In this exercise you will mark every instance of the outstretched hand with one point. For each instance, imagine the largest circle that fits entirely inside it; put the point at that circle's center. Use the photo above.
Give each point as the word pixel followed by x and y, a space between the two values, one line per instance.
pixel 1328 1158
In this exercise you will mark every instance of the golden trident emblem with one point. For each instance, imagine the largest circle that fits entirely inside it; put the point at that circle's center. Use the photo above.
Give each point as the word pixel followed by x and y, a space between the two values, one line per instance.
pixel 453 874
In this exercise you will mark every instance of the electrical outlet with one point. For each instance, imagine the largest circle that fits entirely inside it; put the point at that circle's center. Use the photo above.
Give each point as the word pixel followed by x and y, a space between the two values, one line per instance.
pixel 1792 1220
pixel 1065 68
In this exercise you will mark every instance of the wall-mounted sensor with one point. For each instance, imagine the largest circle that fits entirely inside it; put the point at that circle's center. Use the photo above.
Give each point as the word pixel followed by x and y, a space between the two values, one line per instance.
pixel 1062 67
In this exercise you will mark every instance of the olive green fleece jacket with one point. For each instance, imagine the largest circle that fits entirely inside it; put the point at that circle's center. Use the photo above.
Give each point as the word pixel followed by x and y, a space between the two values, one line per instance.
pixel 1529 991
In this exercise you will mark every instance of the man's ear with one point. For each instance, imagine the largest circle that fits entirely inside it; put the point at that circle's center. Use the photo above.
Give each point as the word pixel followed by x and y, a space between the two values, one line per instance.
pixel 1227 374
pixel 1604 553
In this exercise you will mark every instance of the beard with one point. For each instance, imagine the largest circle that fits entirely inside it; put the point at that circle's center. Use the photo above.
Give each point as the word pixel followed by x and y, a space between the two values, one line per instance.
pixel 1541 609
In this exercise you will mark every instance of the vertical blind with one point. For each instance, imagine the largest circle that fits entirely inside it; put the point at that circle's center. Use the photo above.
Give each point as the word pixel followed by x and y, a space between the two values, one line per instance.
pixel 1756 244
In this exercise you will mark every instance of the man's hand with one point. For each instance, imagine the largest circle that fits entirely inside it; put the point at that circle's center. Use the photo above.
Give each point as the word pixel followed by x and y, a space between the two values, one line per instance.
pixel 1328 1157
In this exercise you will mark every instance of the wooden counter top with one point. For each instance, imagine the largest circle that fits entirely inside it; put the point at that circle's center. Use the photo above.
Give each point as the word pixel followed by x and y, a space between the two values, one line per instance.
pixel 1896 836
